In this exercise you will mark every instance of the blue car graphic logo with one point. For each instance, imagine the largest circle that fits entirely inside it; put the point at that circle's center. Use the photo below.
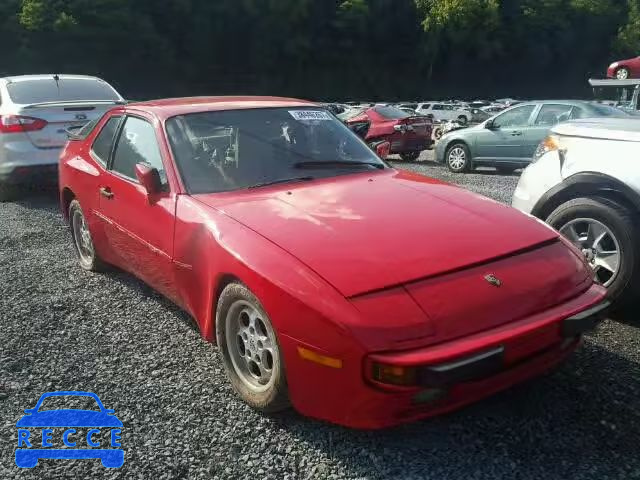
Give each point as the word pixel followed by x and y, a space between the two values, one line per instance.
pixel 41 431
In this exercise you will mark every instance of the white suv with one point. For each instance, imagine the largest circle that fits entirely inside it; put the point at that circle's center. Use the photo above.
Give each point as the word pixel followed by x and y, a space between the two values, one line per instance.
pixel 35 111
pixel 441 111
pixel 584 180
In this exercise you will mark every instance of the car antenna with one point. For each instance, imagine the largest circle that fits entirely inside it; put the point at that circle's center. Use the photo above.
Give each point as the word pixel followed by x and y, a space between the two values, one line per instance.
pixel 56 78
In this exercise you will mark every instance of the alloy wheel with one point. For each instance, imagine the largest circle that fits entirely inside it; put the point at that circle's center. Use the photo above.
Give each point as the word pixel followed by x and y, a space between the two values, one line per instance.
pixel 82 237
pixel 457 158
pixel 599 246
pixel 251 343
pixel 622 74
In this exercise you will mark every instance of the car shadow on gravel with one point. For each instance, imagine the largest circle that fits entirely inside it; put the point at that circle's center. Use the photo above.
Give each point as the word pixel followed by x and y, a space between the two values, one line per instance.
pixel 580 421
pixel 38 197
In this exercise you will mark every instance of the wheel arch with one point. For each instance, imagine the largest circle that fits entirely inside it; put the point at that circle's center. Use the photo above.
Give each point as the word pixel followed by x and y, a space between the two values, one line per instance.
pixel 587 184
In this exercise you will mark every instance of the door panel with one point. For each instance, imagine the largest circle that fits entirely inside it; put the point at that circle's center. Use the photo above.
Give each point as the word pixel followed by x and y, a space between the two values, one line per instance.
pixel 506 141
pixel 139 227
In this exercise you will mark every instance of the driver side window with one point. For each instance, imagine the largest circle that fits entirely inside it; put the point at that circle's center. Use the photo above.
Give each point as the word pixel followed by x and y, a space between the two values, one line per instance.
pixel 137 144
pixel 518 117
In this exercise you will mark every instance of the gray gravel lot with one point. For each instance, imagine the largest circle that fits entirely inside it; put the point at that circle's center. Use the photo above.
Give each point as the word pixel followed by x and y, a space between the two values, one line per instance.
pixel 65 329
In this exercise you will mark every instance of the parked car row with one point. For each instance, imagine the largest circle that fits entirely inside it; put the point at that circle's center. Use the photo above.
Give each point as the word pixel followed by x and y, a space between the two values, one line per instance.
pixel 277 230
pixel 508 140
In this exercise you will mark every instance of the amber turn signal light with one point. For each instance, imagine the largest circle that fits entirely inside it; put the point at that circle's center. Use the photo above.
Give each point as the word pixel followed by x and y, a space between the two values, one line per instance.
pixel 319 358
pixel 394 375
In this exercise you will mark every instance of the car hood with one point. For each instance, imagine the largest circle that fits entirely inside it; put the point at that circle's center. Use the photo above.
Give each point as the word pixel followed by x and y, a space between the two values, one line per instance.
pixel 365 232
pixel 69 418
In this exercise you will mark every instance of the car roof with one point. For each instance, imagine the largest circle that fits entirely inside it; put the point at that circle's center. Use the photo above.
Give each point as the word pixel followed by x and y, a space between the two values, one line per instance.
pixel 169 107
pixel 21 78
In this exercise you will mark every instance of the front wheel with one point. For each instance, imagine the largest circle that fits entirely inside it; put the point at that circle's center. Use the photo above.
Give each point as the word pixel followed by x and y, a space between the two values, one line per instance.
pixel 410 156
pixel 622 73
pixel 250 350
pixel 462 120
pixel 458 158
pixel 605 233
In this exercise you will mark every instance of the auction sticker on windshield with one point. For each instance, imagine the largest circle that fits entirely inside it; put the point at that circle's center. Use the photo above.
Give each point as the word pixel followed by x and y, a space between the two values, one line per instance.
pixel 79 428
pixel 302 115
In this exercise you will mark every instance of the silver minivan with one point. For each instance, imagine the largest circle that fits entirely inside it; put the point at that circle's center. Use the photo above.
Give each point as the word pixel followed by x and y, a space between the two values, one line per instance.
pixel 35 113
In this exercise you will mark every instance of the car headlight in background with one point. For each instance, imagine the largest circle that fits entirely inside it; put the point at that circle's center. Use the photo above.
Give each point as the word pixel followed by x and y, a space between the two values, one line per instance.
pixel 549 144
pixel 613 65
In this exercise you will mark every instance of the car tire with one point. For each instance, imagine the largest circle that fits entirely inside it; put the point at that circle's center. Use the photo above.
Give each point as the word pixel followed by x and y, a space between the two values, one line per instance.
pixel 463 120
pixel 253 361
pixel 410 156
pixel 458 158
pixel 437 133
pixel 622 73
pixel 82 240
pixel 619 221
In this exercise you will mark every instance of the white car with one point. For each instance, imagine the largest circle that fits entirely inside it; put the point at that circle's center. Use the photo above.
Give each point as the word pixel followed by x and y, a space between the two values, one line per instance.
pixel 441 111
pixel 584 180
pixel 35 112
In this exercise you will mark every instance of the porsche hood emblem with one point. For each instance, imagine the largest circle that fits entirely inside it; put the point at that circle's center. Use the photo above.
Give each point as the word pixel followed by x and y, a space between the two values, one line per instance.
pixel 493 280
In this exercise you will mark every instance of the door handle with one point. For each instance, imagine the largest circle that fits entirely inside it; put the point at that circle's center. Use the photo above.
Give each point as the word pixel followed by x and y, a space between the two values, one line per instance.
pixel 516 134
pixel 106 192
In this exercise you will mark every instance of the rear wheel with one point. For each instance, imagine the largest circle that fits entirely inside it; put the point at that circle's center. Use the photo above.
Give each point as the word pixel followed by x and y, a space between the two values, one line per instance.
pixel 458 158
pixel 605 233
pixel 622 73
pixel 82 241
pixel 250 350
pixel 410 156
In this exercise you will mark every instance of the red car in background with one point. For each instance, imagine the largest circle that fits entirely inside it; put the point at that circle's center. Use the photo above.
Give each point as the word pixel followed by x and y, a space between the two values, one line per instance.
pixel 623 69
pixel 408 135
pixel 285 237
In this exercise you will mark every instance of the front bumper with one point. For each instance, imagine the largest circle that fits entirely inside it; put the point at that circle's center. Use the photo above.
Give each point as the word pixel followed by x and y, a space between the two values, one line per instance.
pixel 536 180
pixel 453 374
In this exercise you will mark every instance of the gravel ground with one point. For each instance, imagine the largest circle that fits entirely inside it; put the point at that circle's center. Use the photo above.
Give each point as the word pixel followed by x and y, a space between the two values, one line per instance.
pixel 65 329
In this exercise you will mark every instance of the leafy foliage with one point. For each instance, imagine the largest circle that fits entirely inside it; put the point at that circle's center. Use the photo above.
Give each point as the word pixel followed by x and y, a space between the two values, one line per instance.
pixel 324 48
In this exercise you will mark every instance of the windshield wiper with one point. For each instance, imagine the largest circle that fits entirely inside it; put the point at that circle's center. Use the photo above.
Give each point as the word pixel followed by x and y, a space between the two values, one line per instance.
pixel 281 180
pixel 336 163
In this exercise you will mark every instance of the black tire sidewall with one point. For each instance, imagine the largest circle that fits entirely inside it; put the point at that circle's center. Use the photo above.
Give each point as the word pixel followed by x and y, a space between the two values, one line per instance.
pixel 276 397
pixel 620 221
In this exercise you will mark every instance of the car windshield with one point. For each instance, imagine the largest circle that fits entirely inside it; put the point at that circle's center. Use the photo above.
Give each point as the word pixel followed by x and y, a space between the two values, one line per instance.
pixel 66 402
pixel 391 113
pixel 44 90
pixel 237 149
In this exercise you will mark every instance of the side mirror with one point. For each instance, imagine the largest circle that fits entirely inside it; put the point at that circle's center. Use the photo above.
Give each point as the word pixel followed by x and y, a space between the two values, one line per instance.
pixel 109 411
pixel 29 411
pixel 149 178
pixel 490 126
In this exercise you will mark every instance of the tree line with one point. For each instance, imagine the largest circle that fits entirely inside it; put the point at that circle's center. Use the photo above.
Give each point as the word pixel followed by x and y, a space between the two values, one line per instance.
pixel 324 49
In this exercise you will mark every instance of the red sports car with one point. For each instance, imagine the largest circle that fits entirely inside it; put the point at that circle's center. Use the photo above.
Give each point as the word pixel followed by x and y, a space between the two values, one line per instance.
pixel 355 292
pixel 408 135
pixel 623 69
